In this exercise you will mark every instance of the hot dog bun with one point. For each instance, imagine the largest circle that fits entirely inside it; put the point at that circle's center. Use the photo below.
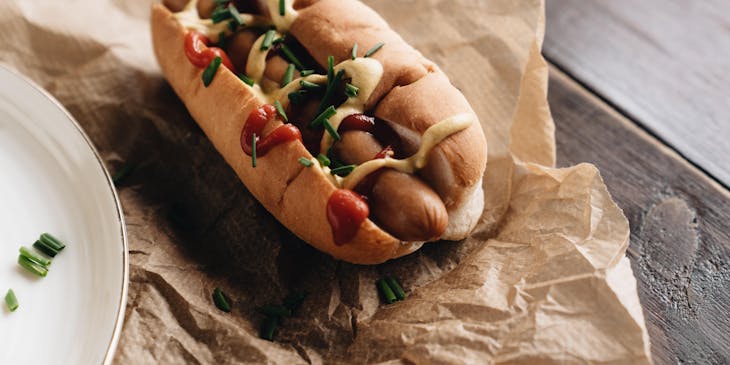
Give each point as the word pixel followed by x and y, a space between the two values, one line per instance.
pixel 296 195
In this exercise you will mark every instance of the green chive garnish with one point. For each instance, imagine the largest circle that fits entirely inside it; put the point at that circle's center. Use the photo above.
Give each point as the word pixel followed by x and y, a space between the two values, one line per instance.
pixel 222 40
pixel 397 290
pixel 324 161
pixel 253 150
pixel 246 80
pixel 309 85
pixel 235 14
pixel 291 57
pixel 288 75
pixel 50 251
pixel 11 300
pixel 375 48
pixel 32 266
pixel 327 113
pixel 210 71
pixel 279 40
pixel 50 240
pixel 220 14
pixel 268 38
pixel 220 300
pixel 351 90
pixel 330 68
pixel 30 255
pixel 343 170
pixel 386 291
pixel 305 161
pixel 306 72
pixel 268 328
pixel 49 245
pixel 297 97
pixel 275 311
pixel 329 92
pixel 354 51
pixel 282 7
pixel 123 173
pixel 331 130
pixel 280 110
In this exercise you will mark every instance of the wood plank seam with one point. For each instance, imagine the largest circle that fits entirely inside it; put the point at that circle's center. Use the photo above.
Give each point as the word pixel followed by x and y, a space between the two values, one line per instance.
pixel 624 114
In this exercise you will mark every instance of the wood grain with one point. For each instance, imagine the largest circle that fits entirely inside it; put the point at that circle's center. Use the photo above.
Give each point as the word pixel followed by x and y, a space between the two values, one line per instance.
pixel 680 224
pixel 663 63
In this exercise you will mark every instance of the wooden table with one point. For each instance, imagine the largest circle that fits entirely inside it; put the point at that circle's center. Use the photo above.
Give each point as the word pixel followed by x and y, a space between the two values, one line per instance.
pixel 641 89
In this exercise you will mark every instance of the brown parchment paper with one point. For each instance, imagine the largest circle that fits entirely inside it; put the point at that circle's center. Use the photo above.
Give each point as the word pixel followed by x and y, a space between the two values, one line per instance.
pixel 542 280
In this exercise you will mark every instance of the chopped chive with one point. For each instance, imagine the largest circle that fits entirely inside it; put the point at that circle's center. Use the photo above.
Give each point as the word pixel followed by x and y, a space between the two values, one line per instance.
pixel 294 300
pixel 280 110
pixel 232 25
pixel 11 300
pixel 343 170
pixel 32 266
pixel 330 68
pixel 331 130
pixel 275 311
pixel 297 97
pixel 221 2
pixel 220 14
pixel 253 150
pixel 268 328
pixel 306 72
pixel 246 80
pixel 222 40
pixel 309 85
pixel 268 38
pixel 305 161
pixel 279 40
pixel 375 48
pixel 351 90
pixel 50 251
pixel 354 51
pixel 123 173
pixel 386 291
pixel 220 300
pixel 288 75
pixel 30 255
pixel 52 241
pixel 235 14
pixel 291 57
pixel 210 71
pixel 324 161
pixel 397 290
pixel 282 7
pixel 327 113
pixel 329 92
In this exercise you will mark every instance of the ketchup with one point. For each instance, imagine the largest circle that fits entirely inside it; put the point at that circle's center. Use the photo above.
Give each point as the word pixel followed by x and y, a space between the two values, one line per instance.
pixel 200 55
pixel 359 122
pixel 255 125
pixel 346 211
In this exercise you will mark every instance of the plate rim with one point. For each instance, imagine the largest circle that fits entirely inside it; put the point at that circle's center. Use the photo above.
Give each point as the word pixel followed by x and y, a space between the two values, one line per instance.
pixel 118 323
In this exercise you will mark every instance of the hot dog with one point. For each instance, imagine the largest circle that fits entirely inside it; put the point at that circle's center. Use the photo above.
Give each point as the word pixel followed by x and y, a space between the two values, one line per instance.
pixel 345 133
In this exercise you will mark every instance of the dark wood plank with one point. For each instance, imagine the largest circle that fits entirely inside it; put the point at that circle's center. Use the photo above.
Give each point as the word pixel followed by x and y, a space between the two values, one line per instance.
pixel 680 224
pixel 664 63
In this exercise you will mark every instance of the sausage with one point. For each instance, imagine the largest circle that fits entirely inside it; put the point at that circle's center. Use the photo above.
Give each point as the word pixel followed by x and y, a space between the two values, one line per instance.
pixel 175 5
pixel 205 8
pixel 239 47
pixel 401 203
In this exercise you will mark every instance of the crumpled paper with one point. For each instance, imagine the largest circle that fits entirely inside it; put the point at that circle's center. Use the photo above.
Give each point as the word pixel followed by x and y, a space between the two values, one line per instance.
pixel 543 279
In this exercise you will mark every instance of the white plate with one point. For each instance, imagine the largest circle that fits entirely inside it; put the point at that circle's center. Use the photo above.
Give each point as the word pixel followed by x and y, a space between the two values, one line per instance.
pixel 52 180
